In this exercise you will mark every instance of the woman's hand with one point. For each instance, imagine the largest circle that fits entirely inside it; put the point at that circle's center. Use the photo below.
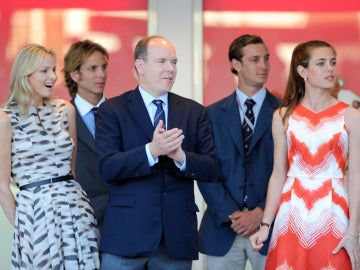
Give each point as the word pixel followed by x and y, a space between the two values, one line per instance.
pixel 257 239
pixel 350 243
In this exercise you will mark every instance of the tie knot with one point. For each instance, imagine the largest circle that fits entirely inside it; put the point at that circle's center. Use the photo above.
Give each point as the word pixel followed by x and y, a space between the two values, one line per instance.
pixel 94 110
pixel 250 103
pixel 158 103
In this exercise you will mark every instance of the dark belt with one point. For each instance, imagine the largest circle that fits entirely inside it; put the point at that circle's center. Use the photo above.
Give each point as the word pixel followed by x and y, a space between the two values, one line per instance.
pixel 47 181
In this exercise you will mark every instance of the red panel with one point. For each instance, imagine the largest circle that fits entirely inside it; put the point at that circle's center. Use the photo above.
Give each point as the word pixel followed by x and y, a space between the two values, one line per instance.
pixel 90 4
pixel 282 5
pixel 343 33
pixel 125 31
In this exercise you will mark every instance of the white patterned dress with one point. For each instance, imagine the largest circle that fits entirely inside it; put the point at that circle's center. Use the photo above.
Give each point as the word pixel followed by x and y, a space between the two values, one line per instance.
pixel 313 214
pixel 55 227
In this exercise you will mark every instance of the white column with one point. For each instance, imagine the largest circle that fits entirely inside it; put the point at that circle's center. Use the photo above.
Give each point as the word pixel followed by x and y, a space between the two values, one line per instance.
pixel 181 23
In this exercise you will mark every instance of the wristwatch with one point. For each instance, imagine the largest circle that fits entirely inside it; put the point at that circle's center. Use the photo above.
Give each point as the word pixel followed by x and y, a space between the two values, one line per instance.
pixel 265 224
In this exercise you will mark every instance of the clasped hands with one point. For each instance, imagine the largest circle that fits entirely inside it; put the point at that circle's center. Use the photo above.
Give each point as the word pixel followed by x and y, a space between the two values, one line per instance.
pixel 167 143
pixel 245 223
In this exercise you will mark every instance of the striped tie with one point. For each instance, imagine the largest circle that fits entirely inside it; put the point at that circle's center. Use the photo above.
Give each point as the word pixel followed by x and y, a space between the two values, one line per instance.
pixel 248 124
pixel 159 114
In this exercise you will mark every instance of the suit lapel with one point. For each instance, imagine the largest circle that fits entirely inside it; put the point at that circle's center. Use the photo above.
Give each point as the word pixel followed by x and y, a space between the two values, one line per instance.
pixel 174 111
pixel 263 122
pixel 140 114
pixel 82 131
pixel 231 119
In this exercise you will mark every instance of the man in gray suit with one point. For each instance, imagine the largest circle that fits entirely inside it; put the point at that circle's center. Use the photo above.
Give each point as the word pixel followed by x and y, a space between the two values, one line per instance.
pixel 85 71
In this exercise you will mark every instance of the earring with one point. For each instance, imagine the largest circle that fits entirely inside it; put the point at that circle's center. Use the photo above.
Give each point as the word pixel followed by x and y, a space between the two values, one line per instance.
pixel 305 79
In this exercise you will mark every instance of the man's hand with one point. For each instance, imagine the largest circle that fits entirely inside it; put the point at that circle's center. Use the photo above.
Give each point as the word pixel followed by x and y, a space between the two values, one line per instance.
pixel 178 154
pixel 167 142
pixel 247 222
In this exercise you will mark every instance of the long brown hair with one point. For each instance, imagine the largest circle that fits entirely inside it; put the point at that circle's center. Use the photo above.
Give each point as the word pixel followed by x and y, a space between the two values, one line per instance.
pixel 295 87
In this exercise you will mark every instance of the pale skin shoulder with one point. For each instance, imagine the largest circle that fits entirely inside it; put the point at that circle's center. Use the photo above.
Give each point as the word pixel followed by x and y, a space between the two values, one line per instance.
pixel 352 123
pixel 280 145
pixel 350 241
pixel 7 200
pixel 352 117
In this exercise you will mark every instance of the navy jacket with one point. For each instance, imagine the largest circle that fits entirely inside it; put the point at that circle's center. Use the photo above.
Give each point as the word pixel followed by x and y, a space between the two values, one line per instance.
pixel 150 203
pixel 226 196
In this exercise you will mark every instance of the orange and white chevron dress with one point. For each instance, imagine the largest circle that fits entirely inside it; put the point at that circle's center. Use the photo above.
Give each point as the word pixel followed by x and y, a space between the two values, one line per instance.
pixel 313 212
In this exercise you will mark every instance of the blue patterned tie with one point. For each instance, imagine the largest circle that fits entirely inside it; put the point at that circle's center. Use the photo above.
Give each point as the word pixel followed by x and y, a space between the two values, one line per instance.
pixel 248 124
pixel 159 114
pixel 247 131
pixel 94 112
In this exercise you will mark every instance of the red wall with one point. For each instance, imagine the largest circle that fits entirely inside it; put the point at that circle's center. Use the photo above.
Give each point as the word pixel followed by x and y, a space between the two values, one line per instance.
pixel 21 23
pixel 337 24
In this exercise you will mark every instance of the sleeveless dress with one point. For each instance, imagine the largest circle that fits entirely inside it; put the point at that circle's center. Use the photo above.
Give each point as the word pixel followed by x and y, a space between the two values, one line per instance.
pixel 55 226
pixel 313 213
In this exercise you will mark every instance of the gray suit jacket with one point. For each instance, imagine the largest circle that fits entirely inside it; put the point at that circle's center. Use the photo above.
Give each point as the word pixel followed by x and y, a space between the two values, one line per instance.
pixel 87 173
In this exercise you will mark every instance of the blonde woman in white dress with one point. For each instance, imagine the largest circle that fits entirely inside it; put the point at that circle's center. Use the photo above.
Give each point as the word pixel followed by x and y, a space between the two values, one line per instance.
pixel 55 227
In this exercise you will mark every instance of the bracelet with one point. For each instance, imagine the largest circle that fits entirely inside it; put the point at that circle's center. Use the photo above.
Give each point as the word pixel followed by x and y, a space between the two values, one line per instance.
pixel 355 235
pixel 265 224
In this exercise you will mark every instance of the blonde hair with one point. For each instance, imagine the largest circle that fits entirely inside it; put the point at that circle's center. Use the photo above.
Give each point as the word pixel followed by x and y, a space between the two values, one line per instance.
pixel 27 61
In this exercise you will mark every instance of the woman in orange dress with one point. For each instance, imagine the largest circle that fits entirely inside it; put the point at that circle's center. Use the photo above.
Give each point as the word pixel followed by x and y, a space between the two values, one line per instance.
pixel 315 138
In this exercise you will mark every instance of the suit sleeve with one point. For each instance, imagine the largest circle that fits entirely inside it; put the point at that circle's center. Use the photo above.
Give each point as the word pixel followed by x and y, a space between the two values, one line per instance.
pixel 117 161
pixel 217 198
pixel 218 201
pixel 202 164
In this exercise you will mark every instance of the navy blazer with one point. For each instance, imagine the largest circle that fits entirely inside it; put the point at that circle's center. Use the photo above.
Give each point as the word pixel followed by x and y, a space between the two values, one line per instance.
pixel 225 197
pixel 148 203
pixel 87 173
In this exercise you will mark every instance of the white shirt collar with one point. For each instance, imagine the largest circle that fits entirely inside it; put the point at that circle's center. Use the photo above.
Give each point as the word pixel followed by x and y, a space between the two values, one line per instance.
pixel 84 106
pixel 258 97
pixel 148 99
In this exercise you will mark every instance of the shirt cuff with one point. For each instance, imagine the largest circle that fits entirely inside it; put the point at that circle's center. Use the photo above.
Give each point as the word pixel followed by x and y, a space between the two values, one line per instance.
pixel 150 158
pixel 181 167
